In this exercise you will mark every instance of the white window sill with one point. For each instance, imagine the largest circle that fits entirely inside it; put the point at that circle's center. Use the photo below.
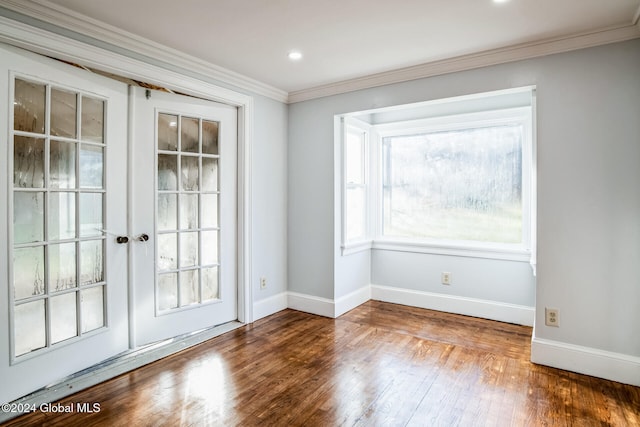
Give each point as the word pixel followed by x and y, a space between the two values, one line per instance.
pixel 355 247
pixel 515 253
pixel 506 253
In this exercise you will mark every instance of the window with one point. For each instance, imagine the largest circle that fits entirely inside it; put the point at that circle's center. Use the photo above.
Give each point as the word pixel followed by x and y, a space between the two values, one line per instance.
pixel 356 197
pixel 463 182
pixel 447 176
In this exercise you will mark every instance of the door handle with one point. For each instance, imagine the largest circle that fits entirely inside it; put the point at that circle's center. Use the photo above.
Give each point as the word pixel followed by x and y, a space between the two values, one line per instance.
pixel 125 239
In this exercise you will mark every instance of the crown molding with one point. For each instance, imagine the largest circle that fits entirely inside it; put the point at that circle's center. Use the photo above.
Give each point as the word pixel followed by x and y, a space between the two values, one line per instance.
pixel 72 21
pixel 89 27
pixel 40 41
pixel 472 61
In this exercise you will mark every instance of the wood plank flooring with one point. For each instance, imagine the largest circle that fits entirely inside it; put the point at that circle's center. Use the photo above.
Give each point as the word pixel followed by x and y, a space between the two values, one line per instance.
pixel 380 364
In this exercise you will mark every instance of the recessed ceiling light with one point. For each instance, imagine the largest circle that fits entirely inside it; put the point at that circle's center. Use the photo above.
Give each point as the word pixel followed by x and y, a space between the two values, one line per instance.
pixel 501 1
pixel 295 55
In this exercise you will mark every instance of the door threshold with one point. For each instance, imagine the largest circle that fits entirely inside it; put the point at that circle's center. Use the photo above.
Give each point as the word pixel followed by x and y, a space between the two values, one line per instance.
pixel 118 365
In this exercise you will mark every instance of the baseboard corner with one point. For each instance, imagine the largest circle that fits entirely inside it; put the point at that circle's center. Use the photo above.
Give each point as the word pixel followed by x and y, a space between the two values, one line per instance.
pixel 270 305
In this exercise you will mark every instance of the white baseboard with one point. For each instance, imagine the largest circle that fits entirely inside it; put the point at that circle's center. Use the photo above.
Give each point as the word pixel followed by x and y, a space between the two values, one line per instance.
pixel 311 304
pixel 586 360
pixel 327 307
pixel 503 312
pixel 270 305
pixel 352 300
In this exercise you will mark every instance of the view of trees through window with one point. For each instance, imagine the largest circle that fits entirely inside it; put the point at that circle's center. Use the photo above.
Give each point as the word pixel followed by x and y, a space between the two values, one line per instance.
pixel 462 184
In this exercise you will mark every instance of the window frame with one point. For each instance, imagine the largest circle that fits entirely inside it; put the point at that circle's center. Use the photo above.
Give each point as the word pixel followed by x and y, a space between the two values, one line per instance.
pixel 494 250
pixel 363 242
pixel 463 112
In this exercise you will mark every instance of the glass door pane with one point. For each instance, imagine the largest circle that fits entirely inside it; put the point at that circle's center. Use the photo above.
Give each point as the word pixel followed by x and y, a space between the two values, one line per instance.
pixel 187 210
pixel 58 215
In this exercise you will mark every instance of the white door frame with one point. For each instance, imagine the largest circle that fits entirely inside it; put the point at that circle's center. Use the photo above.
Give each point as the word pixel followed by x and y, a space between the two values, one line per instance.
pixel 54 45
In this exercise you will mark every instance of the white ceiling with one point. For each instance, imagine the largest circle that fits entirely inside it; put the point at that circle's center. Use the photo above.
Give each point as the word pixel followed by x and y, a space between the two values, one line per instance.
pixel 347 39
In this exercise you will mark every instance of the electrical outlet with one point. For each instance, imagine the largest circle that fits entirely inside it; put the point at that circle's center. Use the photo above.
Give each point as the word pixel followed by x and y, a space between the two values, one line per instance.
pixel 263 283
pixel 446 278
pixel 551 317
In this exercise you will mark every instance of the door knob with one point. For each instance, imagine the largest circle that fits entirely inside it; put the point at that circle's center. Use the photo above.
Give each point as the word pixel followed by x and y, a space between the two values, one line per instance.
pixel 122 239
pixel 143 237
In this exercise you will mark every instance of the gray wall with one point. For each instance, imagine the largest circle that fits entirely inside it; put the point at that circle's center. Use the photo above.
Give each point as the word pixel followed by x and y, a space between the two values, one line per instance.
pixel 589 198
pixel 269 205
pixel 588 106
pixel 510 282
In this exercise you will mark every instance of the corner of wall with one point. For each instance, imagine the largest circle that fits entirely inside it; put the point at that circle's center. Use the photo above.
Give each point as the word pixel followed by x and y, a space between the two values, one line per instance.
pixel 270 305
pixel 327 307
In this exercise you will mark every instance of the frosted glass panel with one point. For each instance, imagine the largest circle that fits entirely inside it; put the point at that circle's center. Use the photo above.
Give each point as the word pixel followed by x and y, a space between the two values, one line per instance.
pixel 28 107
pixel 209 247
pixel 92 119
pixel 91 166
pixel 91 214
pixel 209 210
pixel 462 184
pixel 210 288
pixel 167 251
pixel 209 137
pixel 63 317
pixel 167 212
pixel 28 217
pixel 62 266
pixel 188 249
pixel 28 162
pixel 167 132
pixel 91 262
pixel 189 292
pixel 92 308
pixel 167 172
pixel 29 328
pixel 209 174
pixel 167 291
pixel 66 167
pixel 189 173
pixel 190 135
pixel 62 215
pixel 188 211
pixel 188 197
pixel 63 113
pixel 28 272
pixel 62 165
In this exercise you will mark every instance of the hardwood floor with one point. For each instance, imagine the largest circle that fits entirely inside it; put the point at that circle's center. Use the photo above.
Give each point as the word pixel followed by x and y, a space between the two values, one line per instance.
pixel 378 365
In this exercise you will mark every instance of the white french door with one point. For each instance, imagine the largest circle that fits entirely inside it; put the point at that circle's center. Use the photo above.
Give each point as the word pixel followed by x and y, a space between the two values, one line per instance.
pixel 63 284
pixel 97 258
pixel 184 202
